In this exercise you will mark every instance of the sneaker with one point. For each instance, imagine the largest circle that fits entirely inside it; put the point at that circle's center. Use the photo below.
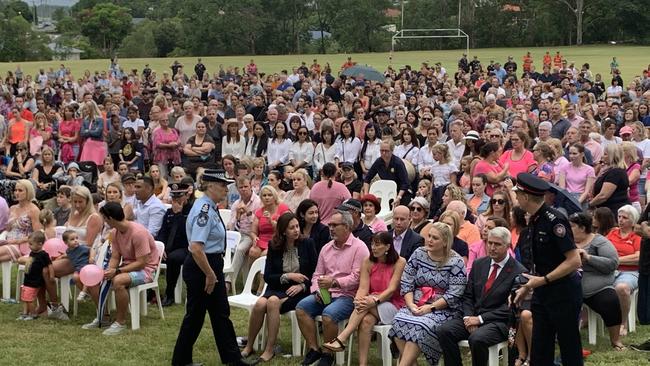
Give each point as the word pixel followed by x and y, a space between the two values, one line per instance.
pixel 643 347
pixel 115 329
pixel 327 359
pixel 21 317
pixel 312 356
pixel 92 325
pixel 83 296
pixel 30 317
pixel 58 312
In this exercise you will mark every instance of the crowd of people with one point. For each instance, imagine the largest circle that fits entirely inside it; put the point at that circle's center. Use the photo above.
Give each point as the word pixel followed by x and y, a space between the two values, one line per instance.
pixel 519 195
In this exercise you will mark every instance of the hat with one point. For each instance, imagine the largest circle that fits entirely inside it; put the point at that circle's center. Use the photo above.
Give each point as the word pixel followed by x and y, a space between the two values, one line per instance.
pixel 382 110
pixel 187 180
pixel 372 199
pixel 531 184
pixel 420 201
pixel 216 175
pixel 472 135
pixel 350 205
pixel 73 165
pixel 178 189
pixel 625 130
pixel 346 165
pixel 128 177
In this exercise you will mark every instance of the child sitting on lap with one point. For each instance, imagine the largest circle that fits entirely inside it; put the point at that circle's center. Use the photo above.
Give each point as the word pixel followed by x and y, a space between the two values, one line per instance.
pixel 37 261
pixel 78 256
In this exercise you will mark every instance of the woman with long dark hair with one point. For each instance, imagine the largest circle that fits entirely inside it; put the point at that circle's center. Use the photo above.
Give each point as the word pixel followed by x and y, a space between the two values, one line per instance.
pixel 290 264
pixel 328 193
pixel 347 144
pixel 310 225
pixel 258 146
pixel 370 149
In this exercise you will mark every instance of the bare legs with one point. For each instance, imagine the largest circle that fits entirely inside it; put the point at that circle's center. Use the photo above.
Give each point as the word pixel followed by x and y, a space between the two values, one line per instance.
pixel 271 308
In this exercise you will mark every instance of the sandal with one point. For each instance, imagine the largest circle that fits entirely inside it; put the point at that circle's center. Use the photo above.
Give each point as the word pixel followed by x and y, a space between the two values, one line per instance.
pixel 521 362
pixel 618 348
pixel 333 347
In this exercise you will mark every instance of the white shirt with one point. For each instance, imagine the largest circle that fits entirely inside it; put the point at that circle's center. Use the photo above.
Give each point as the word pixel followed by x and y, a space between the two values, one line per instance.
pixel 150 214
pixel 323 155
pixel 304 152
pixel 134 125
pixel 456 151
pixel 442 172
pixel 234 148
pixel 407 152
pixel 347 150
pixel 372 153
pixel 278 151
pixel 425 159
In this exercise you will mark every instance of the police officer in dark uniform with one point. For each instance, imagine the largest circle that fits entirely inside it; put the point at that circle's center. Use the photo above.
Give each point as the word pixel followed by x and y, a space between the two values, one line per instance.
pixel 173 234
pixel 557 296
pixel 203 276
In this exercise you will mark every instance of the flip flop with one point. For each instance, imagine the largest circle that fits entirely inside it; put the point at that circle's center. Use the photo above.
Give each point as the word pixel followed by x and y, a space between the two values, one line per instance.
pixel 332 345
pixel 619 348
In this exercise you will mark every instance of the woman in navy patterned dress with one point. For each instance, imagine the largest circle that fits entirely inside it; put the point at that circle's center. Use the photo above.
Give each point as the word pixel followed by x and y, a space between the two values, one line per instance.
pixel 432 284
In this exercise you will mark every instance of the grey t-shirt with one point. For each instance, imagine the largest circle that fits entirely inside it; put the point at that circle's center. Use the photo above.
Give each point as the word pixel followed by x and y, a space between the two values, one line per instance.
pixel 598 272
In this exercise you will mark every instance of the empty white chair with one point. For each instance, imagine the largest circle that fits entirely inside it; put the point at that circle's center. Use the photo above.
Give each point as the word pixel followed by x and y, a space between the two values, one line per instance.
pixel 6 273
pixel 247 299
pixel 233 239
pixel 493 352
pixel 138 294
pixel 631 316
pixel 385 191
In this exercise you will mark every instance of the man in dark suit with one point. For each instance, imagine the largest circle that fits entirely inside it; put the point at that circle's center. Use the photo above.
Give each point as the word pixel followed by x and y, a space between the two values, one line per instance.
pixel 405 240
pixel 485 303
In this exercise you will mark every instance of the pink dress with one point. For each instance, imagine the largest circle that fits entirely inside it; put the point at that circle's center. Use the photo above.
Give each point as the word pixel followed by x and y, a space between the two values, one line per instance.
pixel 165 155
pixel 265 229
pixel 69 150
pixel 517 166
pixel 380 275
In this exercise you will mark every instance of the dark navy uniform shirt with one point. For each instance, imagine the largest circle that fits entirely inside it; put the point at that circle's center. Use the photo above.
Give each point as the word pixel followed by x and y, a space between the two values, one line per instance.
pixel 551 237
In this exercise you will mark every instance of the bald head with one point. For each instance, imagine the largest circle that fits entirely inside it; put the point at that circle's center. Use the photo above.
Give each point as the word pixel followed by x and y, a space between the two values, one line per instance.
pixel 459 207
pixel 401 219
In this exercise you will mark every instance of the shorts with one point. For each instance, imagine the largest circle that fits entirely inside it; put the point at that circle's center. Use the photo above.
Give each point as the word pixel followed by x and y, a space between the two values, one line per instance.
pixel 139 278
pixel 630 278
pixel 338 310
pixel 28 294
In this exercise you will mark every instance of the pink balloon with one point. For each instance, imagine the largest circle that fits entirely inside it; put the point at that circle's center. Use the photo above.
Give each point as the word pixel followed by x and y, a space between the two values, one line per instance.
pixel 91 275
pixel 55 247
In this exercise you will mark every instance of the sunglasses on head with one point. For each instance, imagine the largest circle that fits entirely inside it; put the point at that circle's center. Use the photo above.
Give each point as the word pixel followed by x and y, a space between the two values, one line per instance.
pixel 497 201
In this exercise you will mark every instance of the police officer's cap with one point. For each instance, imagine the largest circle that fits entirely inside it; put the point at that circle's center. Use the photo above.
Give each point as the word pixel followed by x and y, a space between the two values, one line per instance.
pixel 531 184
pixel 178 189
pixel 216 175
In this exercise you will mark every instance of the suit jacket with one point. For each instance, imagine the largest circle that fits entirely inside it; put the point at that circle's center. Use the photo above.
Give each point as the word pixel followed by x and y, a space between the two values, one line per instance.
pixel 410 243
pixel 493 305
pixel 307 258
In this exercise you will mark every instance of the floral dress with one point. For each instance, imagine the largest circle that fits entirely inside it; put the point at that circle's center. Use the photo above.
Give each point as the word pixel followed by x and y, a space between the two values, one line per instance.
pixel 421 276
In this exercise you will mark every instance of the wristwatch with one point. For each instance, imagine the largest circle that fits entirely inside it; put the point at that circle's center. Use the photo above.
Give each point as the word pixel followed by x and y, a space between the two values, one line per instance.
pixel 377 302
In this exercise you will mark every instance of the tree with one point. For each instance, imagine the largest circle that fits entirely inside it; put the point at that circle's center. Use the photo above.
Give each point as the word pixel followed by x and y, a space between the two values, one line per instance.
pixel 577 8
pixel 13 8
pixel 140 42
pixel 105 25
pixel 358 26
pixel 15 33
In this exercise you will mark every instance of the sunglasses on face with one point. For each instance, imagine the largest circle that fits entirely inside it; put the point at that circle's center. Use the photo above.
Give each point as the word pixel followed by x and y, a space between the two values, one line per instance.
pixel 426 119
pixel 497 201
pixel 416 209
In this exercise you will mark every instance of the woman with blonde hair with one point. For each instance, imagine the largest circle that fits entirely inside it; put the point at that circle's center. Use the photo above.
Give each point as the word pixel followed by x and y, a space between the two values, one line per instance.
pixel 40 135
pixel 23 220
pixel 92 130
pixel 443 170
pixel 453 219
pixel 561 162
pixel 612 182
pixel 301 189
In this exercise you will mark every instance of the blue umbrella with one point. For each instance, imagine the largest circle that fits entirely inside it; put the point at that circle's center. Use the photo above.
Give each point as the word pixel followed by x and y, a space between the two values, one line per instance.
pixel 104 287
pixel 364 72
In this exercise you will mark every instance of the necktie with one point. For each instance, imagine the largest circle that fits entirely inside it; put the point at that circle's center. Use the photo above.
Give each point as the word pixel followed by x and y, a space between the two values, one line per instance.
pixel 491 278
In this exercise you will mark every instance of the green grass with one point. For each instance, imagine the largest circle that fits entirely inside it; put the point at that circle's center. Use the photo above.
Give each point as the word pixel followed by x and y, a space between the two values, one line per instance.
pixel 632 60
pixel 49 342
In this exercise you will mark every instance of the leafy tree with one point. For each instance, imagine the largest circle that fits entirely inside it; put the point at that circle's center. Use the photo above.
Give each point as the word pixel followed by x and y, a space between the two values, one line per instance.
pixel 166 36
pixel 140 42
pixel 105 25
pixel 13 8
pixel 68 25
pixel 358 26
pixel 15 33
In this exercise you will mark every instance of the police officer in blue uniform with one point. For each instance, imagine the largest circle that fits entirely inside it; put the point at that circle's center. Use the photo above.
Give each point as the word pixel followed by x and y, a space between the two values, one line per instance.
pixel 557 296
pixel 203 276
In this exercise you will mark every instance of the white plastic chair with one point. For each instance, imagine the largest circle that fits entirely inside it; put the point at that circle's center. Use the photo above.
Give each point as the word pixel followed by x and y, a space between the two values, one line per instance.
pixel 384 345
pixel 340 356
pixel 296 335
pixel 385 191
pixel 6 273
pixel 246 300
pixel 594 322
pixel 67 289
pixel 493 352
pixel 225 215
pixel 233 239
pixel 631 316
pixel 138 294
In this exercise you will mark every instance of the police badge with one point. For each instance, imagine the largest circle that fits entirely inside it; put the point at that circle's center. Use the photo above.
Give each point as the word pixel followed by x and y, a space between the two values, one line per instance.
pixel 202 220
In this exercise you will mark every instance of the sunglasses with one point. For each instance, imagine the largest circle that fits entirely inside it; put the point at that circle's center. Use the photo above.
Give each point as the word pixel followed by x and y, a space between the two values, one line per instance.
pixel 417 209
pixel 391 125
pixel 497 201
pixel 495 136
pixel 426 119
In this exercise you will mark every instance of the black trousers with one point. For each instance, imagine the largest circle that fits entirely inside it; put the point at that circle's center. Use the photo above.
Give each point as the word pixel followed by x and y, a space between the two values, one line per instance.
pixel 607 305
pixel 198 302
pixel 556 310
pixel 452 332
pixel 175 259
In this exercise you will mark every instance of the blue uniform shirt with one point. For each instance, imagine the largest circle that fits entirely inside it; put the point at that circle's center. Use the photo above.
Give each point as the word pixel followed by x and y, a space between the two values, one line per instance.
pixel 204 225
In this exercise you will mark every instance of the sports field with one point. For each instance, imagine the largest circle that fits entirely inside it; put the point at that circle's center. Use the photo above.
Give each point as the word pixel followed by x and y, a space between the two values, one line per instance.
pixel 632 60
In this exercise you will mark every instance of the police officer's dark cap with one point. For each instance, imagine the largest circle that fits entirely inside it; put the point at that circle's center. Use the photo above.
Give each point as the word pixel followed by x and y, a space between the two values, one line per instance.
pixel 531 184
pixel 382 111
pixel 178 189
pixel 216 175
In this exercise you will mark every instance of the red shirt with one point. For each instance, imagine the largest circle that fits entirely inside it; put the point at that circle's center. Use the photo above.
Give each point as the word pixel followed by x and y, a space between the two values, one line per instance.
pixel 625 246
pixel 26 114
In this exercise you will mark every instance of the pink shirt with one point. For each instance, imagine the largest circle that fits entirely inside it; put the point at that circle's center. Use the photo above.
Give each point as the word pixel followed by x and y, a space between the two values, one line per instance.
pixel 343 264
pixel 576 177
pixel 483 167
pixel 517 166
pixel 134 243
pixel 328 198
pixel 378 225
pixel 477 250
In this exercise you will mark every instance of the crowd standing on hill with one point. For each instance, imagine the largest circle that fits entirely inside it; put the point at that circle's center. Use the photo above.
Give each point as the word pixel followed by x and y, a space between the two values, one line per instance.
pixel 518 193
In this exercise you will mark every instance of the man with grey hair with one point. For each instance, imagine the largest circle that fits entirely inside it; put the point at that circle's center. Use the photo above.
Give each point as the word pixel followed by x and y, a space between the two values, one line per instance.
pixel 485 303
pixel 334 285
pixel 468 231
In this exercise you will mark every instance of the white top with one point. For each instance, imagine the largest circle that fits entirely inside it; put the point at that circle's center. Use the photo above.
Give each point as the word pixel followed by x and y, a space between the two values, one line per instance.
pixel 347 150
pixel 456 151
pixel 407 152
pixel 134 125
pixel 150 214
pixel 186 131
pixel 323 155
pixel 425 159
pixel 441 173
pixel 236 149
pixel 372 153
pixel 278 151
pixel 304 152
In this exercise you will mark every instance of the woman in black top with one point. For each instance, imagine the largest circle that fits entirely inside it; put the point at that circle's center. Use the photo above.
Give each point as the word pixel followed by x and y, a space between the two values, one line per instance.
pixel 290 264
pixel 260 140
pixel 21 165
pixel 610 188
pixel 310 225
pixel 43 175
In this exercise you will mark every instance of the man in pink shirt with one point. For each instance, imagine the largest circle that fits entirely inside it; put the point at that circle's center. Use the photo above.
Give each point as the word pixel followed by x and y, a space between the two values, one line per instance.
pixel 133 261
pixel 337 272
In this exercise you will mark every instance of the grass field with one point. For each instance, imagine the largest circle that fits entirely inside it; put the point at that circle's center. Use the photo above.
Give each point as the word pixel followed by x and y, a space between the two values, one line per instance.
pixel 632 60
pixel 56 343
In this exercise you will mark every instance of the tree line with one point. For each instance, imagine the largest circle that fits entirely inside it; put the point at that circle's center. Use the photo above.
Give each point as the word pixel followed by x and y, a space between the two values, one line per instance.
pixel 167 28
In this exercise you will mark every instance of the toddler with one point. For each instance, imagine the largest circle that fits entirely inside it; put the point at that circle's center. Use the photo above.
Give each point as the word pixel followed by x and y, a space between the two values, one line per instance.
pixel 79 256
pixel 37 261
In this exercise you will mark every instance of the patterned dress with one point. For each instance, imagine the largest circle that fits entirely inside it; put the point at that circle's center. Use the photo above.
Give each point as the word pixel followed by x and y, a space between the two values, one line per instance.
pixel 448 281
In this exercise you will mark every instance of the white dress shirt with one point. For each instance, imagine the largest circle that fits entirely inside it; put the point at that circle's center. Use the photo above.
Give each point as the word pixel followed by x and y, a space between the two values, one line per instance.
pixel 323 155
pixel 425 159
pixel 372 153
pixel 456 150
pixel 278 151
pixel 150 214
pixel 234 148
pixel 348 150
pixel 302 152
pixel 407 152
